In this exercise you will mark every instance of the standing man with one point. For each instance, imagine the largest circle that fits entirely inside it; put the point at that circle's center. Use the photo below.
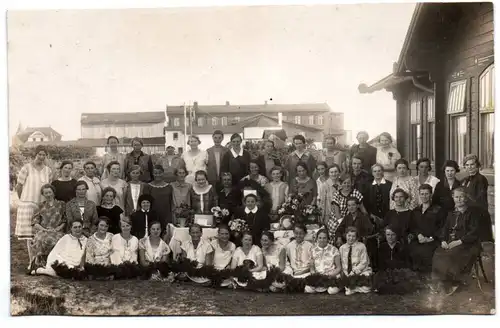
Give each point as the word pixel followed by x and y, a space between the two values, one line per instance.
pixel 299 155
pixel 363 150
pixel 170 162
pixel 215 154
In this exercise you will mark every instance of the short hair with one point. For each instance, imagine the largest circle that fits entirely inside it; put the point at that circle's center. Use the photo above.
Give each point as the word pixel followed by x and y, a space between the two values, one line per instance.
pixel 351 229
pixel 126 219
pixel 112 137
pixel 137 139
pixel 357 157
pixel 226 174
pixel 158 167
pixel 153 223
pixel 268 234
pixel 299 137
pixel 223 226
pixel 135 167
pixel 336 166
pixel 303 165
pixel 39 149
pixel 110 164
pixel 451 163
pixel 270 141
pixel 462 190
pixel 194 137
pixel 300 226
pixel 362 132
pixel 109 189
pixel 219 132
pixel 472 157
pixel 324 164
pixel 344 176
pixel 331 138
pixel 323 230
pixel 200 172
pixel 247 233
pixel 75 221
pixel 90 163
pixel 195 225
pixel 254 161
pixel 402 161
pixel 391 229
pixel 399 190
pixel 49 186
pixel 103 219
pixel 378 165
pixel 235 136
pixel 81 183
pixel 251 195
pixel 145 197
pixel 352 199
pixel 385 134
pixel 425 186
pixel 176 171
pixel 66 162
pixel 424 160
pixel 170 147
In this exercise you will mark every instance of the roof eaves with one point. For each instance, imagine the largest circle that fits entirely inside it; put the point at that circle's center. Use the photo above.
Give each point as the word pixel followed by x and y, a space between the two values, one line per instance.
pixel 409 34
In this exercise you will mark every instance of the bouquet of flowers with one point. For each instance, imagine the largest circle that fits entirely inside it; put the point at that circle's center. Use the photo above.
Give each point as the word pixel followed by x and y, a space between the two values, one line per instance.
pixel 291 211
pixel 219 214
pixel 311 212
pixel 238 225
pixel 184 211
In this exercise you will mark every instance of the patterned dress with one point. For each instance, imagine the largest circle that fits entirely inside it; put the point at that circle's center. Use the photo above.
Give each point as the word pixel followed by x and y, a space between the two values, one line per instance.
pixel 202 200
pixel 408 184
pixel 325 199
pixel 340 200
pixel 299 256
pixel 32 180
pixel 153 255
pixel 99 250
pixel 308 187
pixel 123 250
pixel 197 162
pixel 49 217
pixel 324 262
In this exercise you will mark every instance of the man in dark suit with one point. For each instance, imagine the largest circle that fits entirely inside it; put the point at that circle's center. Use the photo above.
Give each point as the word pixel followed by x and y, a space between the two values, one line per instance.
pixel 363 150
pixel 215 154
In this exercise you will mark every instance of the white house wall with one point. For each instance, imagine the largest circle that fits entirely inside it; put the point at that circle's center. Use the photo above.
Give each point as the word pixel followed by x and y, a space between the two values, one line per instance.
pixel 96 131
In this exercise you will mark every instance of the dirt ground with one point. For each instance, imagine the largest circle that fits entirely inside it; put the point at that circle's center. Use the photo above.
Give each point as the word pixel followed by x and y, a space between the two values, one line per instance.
pixel 158 298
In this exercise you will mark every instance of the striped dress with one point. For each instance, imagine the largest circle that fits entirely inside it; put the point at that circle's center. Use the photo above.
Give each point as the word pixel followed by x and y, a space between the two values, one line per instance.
pixel 32 180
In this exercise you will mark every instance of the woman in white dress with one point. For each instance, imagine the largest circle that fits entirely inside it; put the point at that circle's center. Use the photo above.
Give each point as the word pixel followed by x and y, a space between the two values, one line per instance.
pixel 223 251
pixel 113 155
pixel 124 246
pixel 152 249
pixel 195 159
pixel 298 252
pixel 69 250
pixel 329 189
pixel 274 258
pixel 387 155
pixel 114 181
pixel 199 250
pixel 424 177
pixel 99 244
pixel 249 255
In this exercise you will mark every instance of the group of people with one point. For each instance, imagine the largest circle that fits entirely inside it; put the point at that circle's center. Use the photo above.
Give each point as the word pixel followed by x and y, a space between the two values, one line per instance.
pixel 375 217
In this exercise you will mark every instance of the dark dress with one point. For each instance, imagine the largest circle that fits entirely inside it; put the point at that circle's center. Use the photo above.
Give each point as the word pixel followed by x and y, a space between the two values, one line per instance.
pixel 362 182
pixel 113 214
pixel 393 275
pixel 392 258
pixel 477 188
pixel 65 190
pixel 400 222
pixel 368 154
pixel 231 201
pixel 139 223
pixel 162 204
pixel 257 223
pixel 442 194
pixel 378 199
pixel 429 224
pixel 144 161
pixel 451 265
pixel 237 166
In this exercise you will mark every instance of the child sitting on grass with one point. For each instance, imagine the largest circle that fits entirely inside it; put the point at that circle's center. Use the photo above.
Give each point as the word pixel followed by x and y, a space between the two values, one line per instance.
pixel 355 264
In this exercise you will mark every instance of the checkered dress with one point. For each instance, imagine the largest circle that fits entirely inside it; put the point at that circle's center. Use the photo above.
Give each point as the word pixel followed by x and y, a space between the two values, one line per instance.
pixel 341 201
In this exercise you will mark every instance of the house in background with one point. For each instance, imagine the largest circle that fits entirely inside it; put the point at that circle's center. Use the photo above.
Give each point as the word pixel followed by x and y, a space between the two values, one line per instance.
pixel 35 135
pixel 444 85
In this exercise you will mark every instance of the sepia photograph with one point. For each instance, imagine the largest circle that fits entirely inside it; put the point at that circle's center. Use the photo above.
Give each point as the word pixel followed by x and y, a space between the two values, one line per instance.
pixel 252 160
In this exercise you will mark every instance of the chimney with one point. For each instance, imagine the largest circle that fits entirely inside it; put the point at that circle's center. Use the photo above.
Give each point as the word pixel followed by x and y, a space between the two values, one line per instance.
pixel 227 103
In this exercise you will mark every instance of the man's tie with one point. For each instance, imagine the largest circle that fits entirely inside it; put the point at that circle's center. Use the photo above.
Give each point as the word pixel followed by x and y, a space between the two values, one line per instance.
pixel 349 260
pixel 299 255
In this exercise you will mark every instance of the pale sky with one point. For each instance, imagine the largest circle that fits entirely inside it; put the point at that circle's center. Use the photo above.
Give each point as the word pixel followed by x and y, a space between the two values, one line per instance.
pixel 63 63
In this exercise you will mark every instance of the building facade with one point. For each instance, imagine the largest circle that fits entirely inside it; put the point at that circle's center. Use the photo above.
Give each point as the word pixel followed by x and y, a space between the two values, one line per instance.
pixel 36 134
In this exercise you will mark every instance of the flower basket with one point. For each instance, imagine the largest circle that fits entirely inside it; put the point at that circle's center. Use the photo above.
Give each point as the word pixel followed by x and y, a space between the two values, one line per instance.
pixel 183 215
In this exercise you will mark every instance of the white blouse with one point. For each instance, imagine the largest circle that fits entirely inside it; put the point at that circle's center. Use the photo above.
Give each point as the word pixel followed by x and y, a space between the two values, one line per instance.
pixel 153 254
pixel 135 190
pixel 195 163
pixel 69 250
pixel 252 255
pixel 299 255
pixel 222 258
pixel 123 250
pixel 199 253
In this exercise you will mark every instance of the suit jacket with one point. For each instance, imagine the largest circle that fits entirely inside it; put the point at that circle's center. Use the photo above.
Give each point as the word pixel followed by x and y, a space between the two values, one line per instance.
pixel 139 223
pixel 89 215
pixel 257 223
pixel 144 161
pixel 262 165
pixel 368 154
pixel 213 177
pixel 170 168
pixel 129 202
pixel 371 205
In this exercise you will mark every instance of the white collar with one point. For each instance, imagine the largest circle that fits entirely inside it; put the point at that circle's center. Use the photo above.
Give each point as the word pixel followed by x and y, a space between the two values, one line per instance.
pixel 300 155
pixel 381 182
pixel 235 154
pixel 247 211
pixel 144 211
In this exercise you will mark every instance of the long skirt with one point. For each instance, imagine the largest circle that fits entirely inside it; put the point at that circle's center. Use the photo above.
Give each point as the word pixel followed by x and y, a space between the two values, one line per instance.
pixel 25 212
pixel 454 264
pixel 42 243
pixel 421 256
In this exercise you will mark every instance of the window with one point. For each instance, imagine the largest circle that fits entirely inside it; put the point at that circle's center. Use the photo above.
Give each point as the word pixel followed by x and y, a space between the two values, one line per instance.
pixel 283 118
pixel 416 128
pixel 177 121
pixel 458 135
pixel 311 119
pixel 297 119
pixel 431 126
pixel 456 100
pixel 223 121
pixel 176 136
pixel 41 139
pixel 487 117
pixel 215 121
pixel 236 119
pixel 320 120
pixel 201 121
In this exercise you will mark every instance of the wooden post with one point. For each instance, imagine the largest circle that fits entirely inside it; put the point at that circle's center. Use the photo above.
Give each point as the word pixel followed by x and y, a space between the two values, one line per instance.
pixel 441 136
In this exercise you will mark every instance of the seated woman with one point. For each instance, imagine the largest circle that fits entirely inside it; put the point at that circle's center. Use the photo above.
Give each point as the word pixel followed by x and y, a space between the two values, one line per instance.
pixel 249 255
pixel 274 258
pixel 399 217
pixel 229 196
pixel 426 223
pixel 355 263
pixel 124 245
pixel 199 250
pixel 460 245
pixel 144 217
pixel 325 261
pixel 68 251
pixel 256 218
pixel 223 251
pixel 82 208
pixel 49 223
pixel 99 244
pixel 203 195
pixel 255 175
pixel 298 252
pixel 109 209
pixel 153 250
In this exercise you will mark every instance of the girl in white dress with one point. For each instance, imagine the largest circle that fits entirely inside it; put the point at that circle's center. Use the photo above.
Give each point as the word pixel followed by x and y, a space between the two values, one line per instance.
pixel 298 252
pixel 152 249
pixel 278 189
pixel 195 159
pixel 223 251
pixel 274 257
pixel 326 261
pixel 99 244
pixel 321 181
pixel 124 246
pixel 387 155
pixel 199 250
pixel 69 250
pixel 249 255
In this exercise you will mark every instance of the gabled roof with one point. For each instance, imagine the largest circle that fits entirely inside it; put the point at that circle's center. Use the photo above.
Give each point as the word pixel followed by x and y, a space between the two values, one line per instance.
pixel 48 131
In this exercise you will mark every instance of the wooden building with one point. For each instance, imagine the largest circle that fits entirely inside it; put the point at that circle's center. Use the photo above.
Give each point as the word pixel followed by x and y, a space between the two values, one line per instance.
pixel 444 85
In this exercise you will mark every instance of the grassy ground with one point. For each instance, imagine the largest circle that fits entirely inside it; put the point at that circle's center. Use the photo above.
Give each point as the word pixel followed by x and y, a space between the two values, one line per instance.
pixel 45 295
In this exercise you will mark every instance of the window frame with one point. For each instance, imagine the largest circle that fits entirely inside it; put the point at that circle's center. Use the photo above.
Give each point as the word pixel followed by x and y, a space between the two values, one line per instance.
pixel 223 121
pixel 177 121
pixel 416 135
pixel 215 121
pixel 297 119
pixel 486 110
pixel 457 88
pixel 201 121
pixel 320 120
pixel 311 120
